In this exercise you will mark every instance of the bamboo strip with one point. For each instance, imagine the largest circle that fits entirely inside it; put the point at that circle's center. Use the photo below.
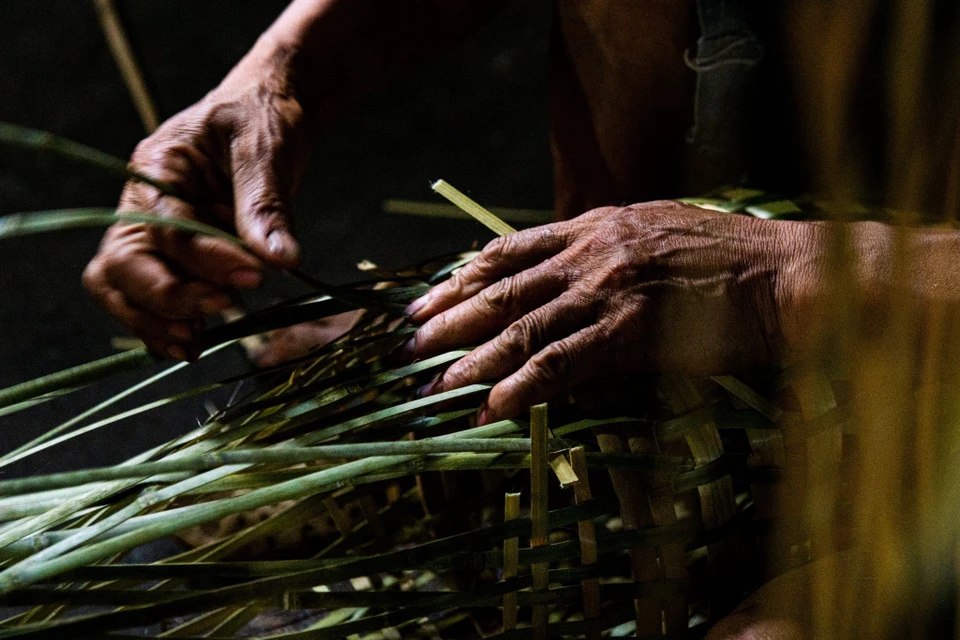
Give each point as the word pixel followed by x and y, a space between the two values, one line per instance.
pixel 588 540
pixel 480 214
pixel 539 492
pixel 437 210
pixel 12 135
pixel 511 558
pixel 217 459
pixel 119 44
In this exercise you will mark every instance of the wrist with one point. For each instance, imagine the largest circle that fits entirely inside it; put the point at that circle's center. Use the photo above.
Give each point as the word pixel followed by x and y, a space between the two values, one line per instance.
pixel 800 256
pixel 275 69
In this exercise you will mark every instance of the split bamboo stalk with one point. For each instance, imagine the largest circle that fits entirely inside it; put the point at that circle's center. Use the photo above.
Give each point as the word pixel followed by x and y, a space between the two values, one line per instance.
pixel 511 558
pixel 588 540
pixel 539 491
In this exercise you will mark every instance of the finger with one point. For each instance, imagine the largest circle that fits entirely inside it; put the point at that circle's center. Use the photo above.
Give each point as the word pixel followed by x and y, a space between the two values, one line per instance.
pixel 151 284
pixel 549 373
pixel 261 188
pixel 488 312
pixel 501 258
pixel 510 350
pixel 172 338
pixel 161 336
pixel 203 257
pixel 213 260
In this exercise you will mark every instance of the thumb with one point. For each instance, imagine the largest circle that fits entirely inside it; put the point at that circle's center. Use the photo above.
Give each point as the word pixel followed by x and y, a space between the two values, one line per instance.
pixel 262 215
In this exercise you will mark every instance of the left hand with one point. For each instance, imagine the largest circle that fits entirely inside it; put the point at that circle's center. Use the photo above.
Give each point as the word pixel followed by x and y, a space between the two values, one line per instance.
pixel 655 287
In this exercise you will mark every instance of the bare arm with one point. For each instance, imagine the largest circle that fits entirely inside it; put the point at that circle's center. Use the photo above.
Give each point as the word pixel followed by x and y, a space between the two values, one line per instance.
pixel 339 50
pixel 238 154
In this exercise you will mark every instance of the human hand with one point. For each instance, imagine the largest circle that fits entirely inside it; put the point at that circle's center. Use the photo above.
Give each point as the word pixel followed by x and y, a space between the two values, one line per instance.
pixel 655 287
pixel 236 157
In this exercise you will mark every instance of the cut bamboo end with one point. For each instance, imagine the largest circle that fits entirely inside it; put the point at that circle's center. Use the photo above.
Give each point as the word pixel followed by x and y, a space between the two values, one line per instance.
pixel 467 205
pixel 511 561
pixel 588 540
pixel 539 490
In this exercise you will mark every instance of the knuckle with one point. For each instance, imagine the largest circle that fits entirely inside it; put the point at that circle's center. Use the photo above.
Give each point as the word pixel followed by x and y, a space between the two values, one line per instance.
pixel 464 371
pixel 92 277
pixel 520 339
pixel 163 295
pixel 495 251
pixel 499 298
pixel 555 362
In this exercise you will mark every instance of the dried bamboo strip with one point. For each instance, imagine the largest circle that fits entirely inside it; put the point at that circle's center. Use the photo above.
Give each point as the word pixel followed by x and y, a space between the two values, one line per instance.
pixel 538 511
pixel 480 214
pixel 588 540
pixel 437 210
pixel 122 52
pixel 511 559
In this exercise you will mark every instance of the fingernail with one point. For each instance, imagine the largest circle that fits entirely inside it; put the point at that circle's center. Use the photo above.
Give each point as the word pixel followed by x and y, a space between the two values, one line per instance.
pixel 180 331
pixel 416 305
pixel 282 245
pixel 484 416
pixel 432 387
pixel 176 352
pixel 409 348
pixel 246 279
pixel 215 303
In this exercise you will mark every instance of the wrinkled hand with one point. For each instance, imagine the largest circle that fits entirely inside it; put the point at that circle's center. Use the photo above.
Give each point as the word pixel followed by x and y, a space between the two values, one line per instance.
pixel 647 288
pixel 237 157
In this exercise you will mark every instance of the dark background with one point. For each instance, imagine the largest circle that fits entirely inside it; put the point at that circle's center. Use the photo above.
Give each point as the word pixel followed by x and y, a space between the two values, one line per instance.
pixel 476 117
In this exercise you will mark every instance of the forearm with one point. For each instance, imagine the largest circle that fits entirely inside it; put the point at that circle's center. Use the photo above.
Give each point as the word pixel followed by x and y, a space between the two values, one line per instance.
pixel 866 268
pixel 330 52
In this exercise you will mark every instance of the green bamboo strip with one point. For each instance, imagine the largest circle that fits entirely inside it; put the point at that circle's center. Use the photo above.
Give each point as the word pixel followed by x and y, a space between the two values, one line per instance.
pixel 21 224
pixel 49 439
pixel 447 462
pixel 511 558
pixel 480 214
pixel 12 135
pixel 370 381
pixel 26 404
pixel 611 547
pixel 263 588
pixel 75 376
pixel 213 460
pixel 65 555
pixel 39 444
pixel 539 492
pixel 44 557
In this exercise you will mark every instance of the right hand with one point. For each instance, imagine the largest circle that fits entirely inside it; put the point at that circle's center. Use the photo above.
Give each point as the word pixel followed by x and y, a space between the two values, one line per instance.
pixel 236 156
